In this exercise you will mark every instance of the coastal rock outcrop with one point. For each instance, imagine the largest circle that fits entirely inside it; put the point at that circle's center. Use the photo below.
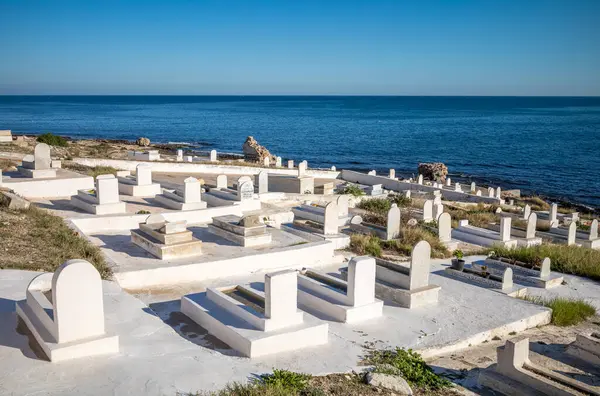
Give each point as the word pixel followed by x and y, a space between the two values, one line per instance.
pixel 143 141
pixel 254 152
pixel 435 171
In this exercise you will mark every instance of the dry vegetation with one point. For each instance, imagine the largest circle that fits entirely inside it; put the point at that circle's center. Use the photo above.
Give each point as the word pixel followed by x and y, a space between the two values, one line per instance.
pixel 90 170
pixel 36 240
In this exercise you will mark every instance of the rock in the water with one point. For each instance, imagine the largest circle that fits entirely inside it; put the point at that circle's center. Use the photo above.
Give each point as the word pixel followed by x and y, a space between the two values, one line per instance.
pixel 255 152
pixel 391 382
pixel 435 171
pixel 143 141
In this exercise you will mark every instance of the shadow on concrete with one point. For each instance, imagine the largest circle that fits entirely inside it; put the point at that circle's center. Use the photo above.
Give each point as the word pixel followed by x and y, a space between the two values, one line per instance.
pixel 15 334
pixel 61 204
pixel 122 244
pixel 591 373
pixel 169 312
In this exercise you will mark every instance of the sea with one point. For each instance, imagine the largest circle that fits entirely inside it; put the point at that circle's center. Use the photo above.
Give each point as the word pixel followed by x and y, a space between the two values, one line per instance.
pixel 541 145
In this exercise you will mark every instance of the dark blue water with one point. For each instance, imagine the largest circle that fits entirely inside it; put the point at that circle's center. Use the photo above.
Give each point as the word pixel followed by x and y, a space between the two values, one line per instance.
pixel 539 144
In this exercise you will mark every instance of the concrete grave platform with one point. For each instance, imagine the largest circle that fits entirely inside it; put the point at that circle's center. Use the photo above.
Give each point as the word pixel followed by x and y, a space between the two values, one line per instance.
pixel 229 227
pixel 64 184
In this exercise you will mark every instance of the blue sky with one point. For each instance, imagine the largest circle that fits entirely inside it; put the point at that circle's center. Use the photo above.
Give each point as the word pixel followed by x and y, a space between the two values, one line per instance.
pixel 395 47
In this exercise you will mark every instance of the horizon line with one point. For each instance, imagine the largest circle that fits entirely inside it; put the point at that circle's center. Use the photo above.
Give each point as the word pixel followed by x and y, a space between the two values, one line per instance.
pixel 321 95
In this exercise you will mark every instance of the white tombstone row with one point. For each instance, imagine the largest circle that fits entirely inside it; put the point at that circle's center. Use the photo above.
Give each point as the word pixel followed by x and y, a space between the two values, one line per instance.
pixel 301 169
pixel 281 298
pixel 526 211
pixel 192 190
pixel 448 182
pixel 278 162
pixel 263 182
pixel 428 211
pixel 245 190
pixel 572 233
pixel 593 226
pixel 331 219
pixel 505 228
pixel 392 174
pixel 531 226
pixel 290 164
pixel 180 155
pixel 361 281
pixel 222 181
pixel 420 179
pixel 266 162
pixel 393 222
pixel 554 215
pixel 342 204
pixel 107 189
pixel 491 192
pixel 143 174
pixel 420 261
pixel 41 156
pixel 445 227
pixel 473 187
pixel 213 155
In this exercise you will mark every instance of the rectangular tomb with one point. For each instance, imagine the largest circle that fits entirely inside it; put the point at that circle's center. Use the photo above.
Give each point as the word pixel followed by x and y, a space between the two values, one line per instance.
pixel 166 240
pixel 257 323
pixel 245 231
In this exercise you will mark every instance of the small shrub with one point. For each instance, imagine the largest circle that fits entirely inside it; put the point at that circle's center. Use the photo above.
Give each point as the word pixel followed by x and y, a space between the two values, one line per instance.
pixel 375 205
pixel 400 200
pixel 142 212
pixel 458 254
pixel 354 190
pixel 410 365
pixel 365 244
pixel 52 140
pixel 285 379
pixel 565 311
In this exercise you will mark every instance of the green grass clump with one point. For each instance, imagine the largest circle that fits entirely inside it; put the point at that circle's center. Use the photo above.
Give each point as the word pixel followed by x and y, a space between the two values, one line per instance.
pixel 52 140
pixel 565 311
pixel 376 205
pixel 90 170
pixel 365 245
pixel 573 260
pixel 279 383
pixel 354 190
pixel 410 236
pixel 410 365
pixel 285 379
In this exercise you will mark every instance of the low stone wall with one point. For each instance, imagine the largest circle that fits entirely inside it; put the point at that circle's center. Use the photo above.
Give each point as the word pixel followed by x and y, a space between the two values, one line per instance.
pixel 190 167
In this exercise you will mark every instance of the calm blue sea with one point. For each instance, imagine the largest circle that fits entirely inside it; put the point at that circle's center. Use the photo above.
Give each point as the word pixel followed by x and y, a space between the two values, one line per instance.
pixel 539 144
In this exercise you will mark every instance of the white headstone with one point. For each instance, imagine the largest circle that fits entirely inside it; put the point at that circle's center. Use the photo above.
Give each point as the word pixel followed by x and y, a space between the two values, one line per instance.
pixel 428 211
pixel 143 174
pixel 333 168
pixel 407 194
pixel 437 200
pixel 491 192
pixel 593 227
pixel 526 211
pixel 420 260
pixel 192 190
pixel 545 269
pixel 243 179
pixel 278 162
pixel 445 227
pixel 393 222
pixel 180 155
pixel 290 164
pixel 507 279
pixel 41 156
pixel 498 193
pixel 330 225
pixel 245 191
pixel 392 174
pixel 189 158
pixel 531 226
pixel 372 173
pixel 155 219
pixel 263 182
pixel 77 301
pixel 356 219
pixel 572 233
pixel 342 204
pixel 478 193
pixel 281 297
pixel 420 179
pixel 301 169
pixel 361 281
pixel 448 182
pixel 553 215
pixel 266 162
pixel 457 187
pixel 222 181
pixel 511 202
pixel 505 228
pixel 107 189
pixel 213 155
pixel 438 209
pixel 473 187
